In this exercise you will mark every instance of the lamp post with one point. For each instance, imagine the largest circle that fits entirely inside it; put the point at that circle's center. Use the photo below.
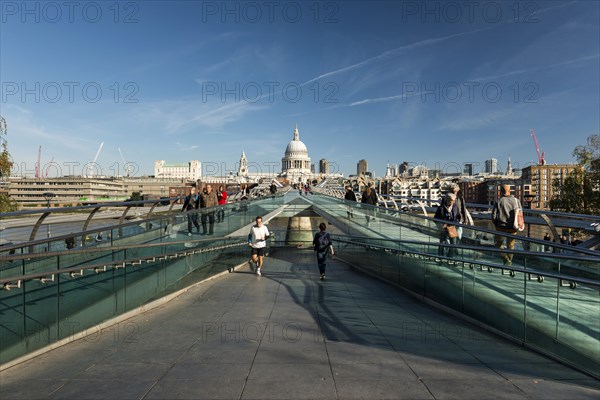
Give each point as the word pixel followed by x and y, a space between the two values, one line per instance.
pixel 48 196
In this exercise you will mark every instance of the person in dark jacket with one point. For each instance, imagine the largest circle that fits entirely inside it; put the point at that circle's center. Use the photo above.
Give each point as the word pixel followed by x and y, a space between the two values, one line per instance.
pixel 369 196
pixel 503 218
pixel 350 196
pixel 191 203
pixel 208 199
pixel 321 243
pixel 465 215
pixel 448 212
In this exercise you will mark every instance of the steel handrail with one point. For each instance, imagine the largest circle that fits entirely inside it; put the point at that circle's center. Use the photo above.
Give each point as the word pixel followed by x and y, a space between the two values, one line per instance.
pixel 6 282
pixel 487 264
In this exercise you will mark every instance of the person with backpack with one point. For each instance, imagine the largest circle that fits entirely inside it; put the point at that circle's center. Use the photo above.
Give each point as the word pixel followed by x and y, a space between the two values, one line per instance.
pixel 503 217
pixel 322 243
pixel 191 203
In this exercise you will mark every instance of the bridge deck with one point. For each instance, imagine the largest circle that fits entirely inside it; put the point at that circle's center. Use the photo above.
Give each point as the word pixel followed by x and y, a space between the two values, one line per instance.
pixel 287 335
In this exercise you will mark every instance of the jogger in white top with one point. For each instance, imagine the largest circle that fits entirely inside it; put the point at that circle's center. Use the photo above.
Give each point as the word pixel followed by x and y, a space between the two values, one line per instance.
pixel 257 239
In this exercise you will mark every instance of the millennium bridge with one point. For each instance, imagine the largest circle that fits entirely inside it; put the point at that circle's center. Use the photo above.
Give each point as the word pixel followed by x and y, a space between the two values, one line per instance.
pixel 138 309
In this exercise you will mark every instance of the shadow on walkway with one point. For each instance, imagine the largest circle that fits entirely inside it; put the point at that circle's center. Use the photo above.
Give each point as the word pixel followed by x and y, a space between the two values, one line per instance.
pixel 287 335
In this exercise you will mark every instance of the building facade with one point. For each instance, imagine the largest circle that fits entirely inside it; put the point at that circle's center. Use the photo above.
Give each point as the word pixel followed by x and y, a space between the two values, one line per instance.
pixel 191 170
pixel 68 190
pixel 468 169
pixel 491 166
pixel 362 167
pixel 541 178
pixel 323 166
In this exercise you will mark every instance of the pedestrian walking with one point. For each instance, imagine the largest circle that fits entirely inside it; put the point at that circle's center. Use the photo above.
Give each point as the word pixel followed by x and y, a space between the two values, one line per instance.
pixel 222 200
pixel 548 239
pixel 369 197
pixel 503 216
pixel 244 193
pixel 208 200
pixel 257 240
pixel 70 242
pixel 322 244
pixel 465 215
pixel 350 196
pixel 190 203
pixel 449 213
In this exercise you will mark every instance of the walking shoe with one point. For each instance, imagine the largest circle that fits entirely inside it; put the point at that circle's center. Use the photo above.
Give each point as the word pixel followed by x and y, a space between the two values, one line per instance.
pixel 189 233
pixel 322 277
pixel 258 271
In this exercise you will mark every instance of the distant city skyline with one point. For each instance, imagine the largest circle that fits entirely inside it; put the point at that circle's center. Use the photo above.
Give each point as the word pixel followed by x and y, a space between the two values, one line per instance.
pixel 435 83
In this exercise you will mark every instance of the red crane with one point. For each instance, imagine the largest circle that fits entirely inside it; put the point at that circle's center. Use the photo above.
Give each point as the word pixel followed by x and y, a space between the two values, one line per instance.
pixel 541 159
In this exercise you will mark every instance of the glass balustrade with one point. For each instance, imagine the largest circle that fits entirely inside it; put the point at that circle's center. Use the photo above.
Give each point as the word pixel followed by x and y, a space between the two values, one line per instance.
pixel 547 299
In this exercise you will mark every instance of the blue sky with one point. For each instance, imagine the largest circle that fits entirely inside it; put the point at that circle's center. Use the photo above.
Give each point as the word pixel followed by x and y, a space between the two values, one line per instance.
pixel 435 83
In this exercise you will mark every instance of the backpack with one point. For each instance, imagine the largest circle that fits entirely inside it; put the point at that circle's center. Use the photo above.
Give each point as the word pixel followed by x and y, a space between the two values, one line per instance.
pixel 323 241
pixel 518 220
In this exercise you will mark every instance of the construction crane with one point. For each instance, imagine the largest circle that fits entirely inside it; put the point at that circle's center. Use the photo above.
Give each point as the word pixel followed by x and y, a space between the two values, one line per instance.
pixel 48 167
pixel 126 165
pixel 541 159
pixel 37 164
pixel 91 165
pixel 3 127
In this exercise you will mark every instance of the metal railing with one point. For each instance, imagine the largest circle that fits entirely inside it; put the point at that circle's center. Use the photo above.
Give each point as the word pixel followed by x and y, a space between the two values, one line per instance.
pixel 47 288
pixel 526 302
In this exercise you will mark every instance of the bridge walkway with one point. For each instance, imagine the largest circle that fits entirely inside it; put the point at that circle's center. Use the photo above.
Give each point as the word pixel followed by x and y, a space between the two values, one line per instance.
pixel 287 335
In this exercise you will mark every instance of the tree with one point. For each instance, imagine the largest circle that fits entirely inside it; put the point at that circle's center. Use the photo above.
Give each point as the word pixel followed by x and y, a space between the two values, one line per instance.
pixel 580 191
pixel 136 196
pixel 6 203
pixel 588 156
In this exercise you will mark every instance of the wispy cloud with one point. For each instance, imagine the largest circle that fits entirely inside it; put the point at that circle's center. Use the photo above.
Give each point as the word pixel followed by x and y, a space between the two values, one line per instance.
pixel 383 99
pixel 396 51
pixel 424 43
pixel 464 123
pixel 536 69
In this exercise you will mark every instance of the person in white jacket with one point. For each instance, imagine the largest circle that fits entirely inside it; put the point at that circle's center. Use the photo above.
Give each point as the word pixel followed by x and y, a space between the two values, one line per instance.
pixel 257 240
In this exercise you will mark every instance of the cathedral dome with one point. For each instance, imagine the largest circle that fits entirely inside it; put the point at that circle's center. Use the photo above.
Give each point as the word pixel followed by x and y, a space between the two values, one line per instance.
pixel 295 164
pixel 296 146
